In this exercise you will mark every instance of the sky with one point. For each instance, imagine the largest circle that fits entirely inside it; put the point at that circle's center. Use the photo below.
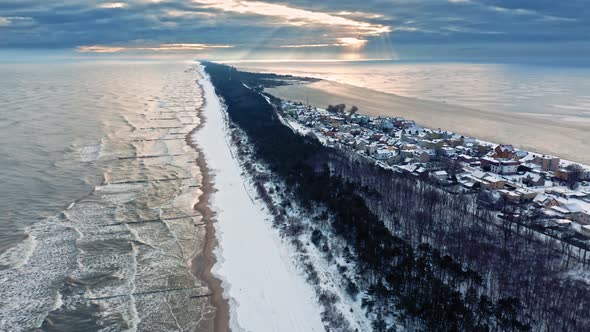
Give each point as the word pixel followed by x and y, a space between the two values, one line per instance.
pixel 298 29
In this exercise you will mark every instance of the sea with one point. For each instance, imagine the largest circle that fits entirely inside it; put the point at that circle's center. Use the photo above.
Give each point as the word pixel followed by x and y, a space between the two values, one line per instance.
pixel 97 195
pixel 541 89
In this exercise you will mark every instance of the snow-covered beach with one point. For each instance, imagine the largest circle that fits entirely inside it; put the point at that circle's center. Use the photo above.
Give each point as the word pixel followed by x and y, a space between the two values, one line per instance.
pixel 265 290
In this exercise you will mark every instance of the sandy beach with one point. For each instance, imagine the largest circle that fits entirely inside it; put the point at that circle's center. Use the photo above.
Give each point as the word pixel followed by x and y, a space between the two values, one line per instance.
pixel 203 262
pixel 263 287
pixel 560 136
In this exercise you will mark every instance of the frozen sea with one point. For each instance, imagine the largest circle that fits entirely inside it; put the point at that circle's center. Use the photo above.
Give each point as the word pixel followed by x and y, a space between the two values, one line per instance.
pixel 544 90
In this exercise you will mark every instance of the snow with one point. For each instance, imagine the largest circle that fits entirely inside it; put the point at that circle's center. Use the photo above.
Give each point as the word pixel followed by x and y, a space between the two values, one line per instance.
pixel 264 289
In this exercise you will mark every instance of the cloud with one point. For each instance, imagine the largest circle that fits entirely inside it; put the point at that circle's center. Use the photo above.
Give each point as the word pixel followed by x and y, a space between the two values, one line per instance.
pixel 471 30
pixel 155 48
pixel 306 45
pixel 529 12
pixel 255 27
pixel 348 42
pixel 296 16
pixel 16 21
pixel 112 5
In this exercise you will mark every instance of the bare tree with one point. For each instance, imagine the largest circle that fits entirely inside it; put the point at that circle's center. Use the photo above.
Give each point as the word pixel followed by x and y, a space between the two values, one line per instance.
pixel 575 173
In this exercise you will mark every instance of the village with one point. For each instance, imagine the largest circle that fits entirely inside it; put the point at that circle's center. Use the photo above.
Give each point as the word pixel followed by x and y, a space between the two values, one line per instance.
pixel 530 181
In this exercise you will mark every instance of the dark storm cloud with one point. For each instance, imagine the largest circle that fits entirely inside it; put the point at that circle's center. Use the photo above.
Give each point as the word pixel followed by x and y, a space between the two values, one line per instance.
pixel 451 25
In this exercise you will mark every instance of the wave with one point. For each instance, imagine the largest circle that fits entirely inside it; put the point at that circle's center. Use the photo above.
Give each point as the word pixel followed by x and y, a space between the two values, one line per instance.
pixel 117 258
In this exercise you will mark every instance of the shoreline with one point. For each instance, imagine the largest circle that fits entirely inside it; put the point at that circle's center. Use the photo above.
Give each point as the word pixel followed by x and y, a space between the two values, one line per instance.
pixel 529 132
pixel 201 265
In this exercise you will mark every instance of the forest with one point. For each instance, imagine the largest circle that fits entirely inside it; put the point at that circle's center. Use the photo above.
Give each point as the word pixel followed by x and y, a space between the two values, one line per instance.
pixel 442 260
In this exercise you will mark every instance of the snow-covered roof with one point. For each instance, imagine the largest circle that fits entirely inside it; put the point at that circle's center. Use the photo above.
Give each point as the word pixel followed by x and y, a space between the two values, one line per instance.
pixel 506 147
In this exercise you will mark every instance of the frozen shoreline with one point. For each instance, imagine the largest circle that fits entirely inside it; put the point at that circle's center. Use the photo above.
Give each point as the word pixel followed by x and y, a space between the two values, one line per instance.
pixel 265 290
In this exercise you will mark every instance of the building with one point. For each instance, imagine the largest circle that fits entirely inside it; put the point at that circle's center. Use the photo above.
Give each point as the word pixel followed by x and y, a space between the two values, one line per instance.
pixel 574 212
pixel 533 179
pixel 361 144
pixel 562 174
pixel 547 163
pixel 545 201
pixel 511 196
pixel 504 166
pixel 383 154
pixel 466 159
pixel 489 181
pixel 562 222
pixel 414 130
pixel 582 218
pixel 526 195
pixel 440 176
pixel 448 151
pixel 505 151
pixel 585 230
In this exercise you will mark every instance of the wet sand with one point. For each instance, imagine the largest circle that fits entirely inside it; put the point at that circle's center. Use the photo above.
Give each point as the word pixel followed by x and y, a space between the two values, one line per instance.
pixel 564 137
pixel 203 262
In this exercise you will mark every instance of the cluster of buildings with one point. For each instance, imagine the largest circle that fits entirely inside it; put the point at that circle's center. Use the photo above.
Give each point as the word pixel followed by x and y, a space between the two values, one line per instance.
pixel 449 159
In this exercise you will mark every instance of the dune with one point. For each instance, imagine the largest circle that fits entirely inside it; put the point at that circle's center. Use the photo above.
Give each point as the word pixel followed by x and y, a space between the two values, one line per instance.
pixel 548 134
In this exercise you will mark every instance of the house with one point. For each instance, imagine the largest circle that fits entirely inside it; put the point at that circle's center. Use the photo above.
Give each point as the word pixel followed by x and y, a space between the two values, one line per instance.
pixel 405 153
pixel 545 201
pixel 383 154
pixel 562 192
pixel 489 181
pixel 408 124
pixel 467 183
pixel 468 140
pixel 582 217
pixel 466 159
pixel 385 124
pixel 440 176
pixel 408 169
pixel 505 151
pixel 493 182
pixel 422 156
pixel 448 151
pixel 562 222
pixel 398 121
pixel 511 196
pixel 372 148
pixel 574 212
pixel 547 163
pixel 533 179
pixel 585 230
pixel 528 167
pixel 361 144
pixel 504 166
pixel 526 195
pixel 336 121
pixel 486 162
pixel 520 154
pixel 414 130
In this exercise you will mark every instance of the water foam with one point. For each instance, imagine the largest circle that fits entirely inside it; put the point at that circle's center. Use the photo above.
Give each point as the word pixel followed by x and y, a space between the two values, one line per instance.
pixel 117 258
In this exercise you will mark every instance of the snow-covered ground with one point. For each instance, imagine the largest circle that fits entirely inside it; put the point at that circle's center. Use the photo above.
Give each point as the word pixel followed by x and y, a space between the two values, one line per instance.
pixel 265 290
